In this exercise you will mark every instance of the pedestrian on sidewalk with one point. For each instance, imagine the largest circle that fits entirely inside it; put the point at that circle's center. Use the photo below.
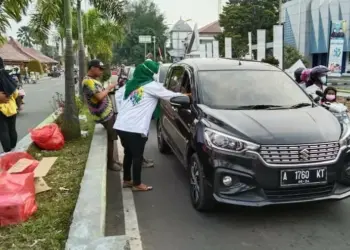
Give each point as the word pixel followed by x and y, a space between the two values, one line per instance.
pixel 101 107
pixel 140 99
pixel 8 110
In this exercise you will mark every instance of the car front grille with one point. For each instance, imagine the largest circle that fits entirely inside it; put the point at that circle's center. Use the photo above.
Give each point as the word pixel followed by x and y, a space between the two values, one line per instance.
pixel 308 153
pixel 298 193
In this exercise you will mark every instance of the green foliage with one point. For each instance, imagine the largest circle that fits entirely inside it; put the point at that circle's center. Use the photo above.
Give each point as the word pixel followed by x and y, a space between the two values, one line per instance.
pixel 242 16
pixel 106 74
pixel 271 60
pixel 11 10
pixel 291 56
pixel 24 36
pixel 79 104
pixel 144 18
pixel 35 66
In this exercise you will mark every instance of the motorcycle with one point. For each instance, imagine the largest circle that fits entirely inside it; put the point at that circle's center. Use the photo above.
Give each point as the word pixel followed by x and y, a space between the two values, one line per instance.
pixel 339 110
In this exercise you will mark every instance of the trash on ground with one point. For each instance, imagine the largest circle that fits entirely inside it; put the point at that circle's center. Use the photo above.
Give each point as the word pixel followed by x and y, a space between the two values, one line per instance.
pixel 83 118
pixel 48 137
pixel 84 133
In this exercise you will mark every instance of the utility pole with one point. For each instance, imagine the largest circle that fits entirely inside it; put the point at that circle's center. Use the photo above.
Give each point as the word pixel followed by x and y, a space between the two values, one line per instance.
pixel 280 12
pixel 154 47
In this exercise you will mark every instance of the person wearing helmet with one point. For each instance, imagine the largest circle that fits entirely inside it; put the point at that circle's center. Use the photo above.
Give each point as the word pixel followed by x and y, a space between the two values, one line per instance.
pixel 297 74
pixel 318 78
pixel 305 78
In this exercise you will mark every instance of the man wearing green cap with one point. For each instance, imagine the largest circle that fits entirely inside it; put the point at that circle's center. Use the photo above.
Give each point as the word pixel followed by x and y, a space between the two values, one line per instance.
pixel 140 102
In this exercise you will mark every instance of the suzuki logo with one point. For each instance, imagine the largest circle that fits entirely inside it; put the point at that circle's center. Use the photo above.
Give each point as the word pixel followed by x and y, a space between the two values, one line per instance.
pixel 304 154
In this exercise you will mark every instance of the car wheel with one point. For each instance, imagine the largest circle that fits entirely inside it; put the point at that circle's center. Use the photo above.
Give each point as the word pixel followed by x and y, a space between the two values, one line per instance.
pixel 163 146
pixel 201 193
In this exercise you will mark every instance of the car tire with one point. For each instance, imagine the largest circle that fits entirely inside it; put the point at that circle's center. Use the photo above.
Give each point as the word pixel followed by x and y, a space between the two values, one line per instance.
pixel 163 146
pixel 201 193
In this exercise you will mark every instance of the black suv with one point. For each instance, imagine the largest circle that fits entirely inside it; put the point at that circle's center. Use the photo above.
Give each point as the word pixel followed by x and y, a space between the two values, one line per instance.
pixel 249 135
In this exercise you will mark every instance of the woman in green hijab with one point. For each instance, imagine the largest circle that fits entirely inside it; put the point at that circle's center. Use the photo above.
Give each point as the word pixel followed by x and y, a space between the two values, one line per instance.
pixel 137 103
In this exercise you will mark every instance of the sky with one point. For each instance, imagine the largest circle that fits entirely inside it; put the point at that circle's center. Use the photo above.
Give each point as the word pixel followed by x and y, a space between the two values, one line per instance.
pixel 201 12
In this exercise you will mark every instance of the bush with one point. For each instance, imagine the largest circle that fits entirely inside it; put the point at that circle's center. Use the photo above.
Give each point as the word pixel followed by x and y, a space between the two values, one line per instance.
pixel 35 66
pixel 271 60
pixel 291 56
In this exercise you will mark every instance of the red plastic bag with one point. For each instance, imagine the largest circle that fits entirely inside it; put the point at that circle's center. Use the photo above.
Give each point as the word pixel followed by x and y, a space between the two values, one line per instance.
pixel 10 159
pixel 17 198
pixel 48 137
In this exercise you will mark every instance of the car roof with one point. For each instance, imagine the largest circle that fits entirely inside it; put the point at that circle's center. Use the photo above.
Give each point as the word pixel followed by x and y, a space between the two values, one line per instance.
pixel 208 64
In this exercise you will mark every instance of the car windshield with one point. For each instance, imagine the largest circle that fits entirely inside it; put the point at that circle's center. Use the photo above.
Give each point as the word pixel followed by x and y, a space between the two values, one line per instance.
pixel 162 73
pixel 247 89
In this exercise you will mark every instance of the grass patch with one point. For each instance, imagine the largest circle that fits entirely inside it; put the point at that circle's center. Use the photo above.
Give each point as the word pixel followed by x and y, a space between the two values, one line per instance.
pixel 48 228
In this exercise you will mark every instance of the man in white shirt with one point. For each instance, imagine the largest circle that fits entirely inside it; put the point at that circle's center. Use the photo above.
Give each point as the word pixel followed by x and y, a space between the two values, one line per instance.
pixel 139 100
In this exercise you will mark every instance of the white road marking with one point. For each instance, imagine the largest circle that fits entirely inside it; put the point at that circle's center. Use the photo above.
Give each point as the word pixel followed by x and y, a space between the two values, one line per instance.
pixel 130 215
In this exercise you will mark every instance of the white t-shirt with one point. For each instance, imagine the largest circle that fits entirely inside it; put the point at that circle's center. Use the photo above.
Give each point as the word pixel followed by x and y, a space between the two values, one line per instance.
pixel 135 112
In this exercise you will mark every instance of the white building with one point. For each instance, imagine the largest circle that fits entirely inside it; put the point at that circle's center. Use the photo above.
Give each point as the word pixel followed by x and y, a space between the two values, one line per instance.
pixel 178 36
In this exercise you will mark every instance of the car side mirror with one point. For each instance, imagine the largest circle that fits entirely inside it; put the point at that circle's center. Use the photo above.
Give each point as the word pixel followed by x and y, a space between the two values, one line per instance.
pixel 183 102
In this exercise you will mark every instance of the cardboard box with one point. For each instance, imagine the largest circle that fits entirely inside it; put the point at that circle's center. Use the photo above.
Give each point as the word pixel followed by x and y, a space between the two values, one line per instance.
pixel 39 173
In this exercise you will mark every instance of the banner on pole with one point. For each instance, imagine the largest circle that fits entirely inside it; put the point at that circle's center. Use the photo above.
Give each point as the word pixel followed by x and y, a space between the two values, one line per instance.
pixel 336 47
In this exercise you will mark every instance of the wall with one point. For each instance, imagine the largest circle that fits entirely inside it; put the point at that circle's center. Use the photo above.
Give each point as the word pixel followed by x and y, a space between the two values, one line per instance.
pixel 177 39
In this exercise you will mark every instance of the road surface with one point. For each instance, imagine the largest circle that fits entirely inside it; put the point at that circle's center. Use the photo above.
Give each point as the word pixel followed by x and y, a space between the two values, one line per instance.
pixel 167 220
pixel 38 104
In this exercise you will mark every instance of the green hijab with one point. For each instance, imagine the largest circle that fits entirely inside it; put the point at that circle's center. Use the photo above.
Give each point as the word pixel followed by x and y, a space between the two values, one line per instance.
pixel 143 75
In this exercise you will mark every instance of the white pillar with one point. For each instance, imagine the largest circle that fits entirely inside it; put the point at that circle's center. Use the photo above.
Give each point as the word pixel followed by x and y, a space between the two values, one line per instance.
pixel 250 45
pixel 216 49
pixel 261 45
pixel 228 47
pixel 278 44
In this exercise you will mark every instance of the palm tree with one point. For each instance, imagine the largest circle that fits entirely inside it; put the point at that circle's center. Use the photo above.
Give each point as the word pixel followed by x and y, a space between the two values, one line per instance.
pixel 11 10
pixel 24 36
pixel 70 126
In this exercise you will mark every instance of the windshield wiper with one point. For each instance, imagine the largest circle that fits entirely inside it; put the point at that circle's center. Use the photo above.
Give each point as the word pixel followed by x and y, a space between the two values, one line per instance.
pixel 261 106
pixel 300 105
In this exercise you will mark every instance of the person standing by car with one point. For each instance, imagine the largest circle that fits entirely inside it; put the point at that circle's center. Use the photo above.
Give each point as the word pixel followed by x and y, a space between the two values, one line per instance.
pixel 100 106
pixel 140 99
pixel 8 110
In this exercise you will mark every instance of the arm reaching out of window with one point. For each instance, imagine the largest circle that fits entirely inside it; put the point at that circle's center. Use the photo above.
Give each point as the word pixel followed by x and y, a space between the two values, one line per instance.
pixel 161 92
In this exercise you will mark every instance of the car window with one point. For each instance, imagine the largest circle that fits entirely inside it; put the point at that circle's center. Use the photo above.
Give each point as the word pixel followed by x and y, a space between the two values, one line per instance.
pixel 235 88
pixel 162 73
pixel 175 80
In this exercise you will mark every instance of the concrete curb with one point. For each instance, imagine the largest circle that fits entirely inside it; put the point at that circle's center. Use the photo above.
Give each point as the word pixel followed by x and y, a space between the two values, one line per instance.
pixel 87 230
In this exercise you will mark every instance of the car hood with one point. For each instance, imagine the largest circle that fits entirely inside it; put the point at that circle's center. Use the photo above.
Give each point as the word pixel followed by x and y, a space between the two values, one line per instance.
pixel 285 126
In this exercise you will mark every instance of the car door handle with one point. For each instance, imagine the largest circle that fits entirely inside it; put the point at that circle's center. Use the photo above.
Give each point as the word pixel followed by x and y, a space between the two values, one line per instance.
pixel 174 108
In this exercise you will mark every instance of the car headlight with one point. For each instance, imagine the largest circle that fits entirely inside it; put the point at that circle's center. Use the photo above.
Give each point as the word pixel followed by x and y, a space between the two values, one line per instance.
pixel 345 139
pixel 217 140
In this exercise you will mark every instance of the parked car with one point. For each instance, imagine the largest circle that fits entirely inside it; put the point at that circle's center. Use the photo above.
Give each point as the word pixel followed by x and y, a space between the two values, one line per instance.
pixel 163 69
pixel 249 135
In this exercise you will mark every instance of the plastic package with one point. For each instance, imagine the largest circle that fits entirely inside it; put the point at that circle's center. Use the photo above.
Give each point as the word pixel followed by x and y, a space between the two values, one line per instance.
pixel 48 137
pixel 17 198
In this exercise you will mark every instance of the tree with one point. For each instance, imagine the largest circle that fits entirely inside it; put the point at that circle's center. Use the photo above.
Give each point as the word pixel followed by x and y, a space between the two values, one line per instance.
pixel 11 10
pixel 49 12
pixel 241 16
pixel 24 36
pixel 70 125
pixel 291 56
pixel 144 18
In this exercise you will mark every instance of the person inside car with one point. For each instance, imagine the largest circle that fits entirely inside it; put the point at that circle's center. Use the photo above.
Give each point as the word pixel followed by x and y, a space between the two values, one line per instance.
pixel 330 95
pixel 139 102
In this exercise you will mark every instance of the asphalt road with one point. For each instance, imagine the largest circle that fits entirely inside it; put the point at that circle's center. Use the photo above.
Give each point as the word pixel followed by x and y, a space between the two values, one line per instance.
pixel 167 220
pixel 38 104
